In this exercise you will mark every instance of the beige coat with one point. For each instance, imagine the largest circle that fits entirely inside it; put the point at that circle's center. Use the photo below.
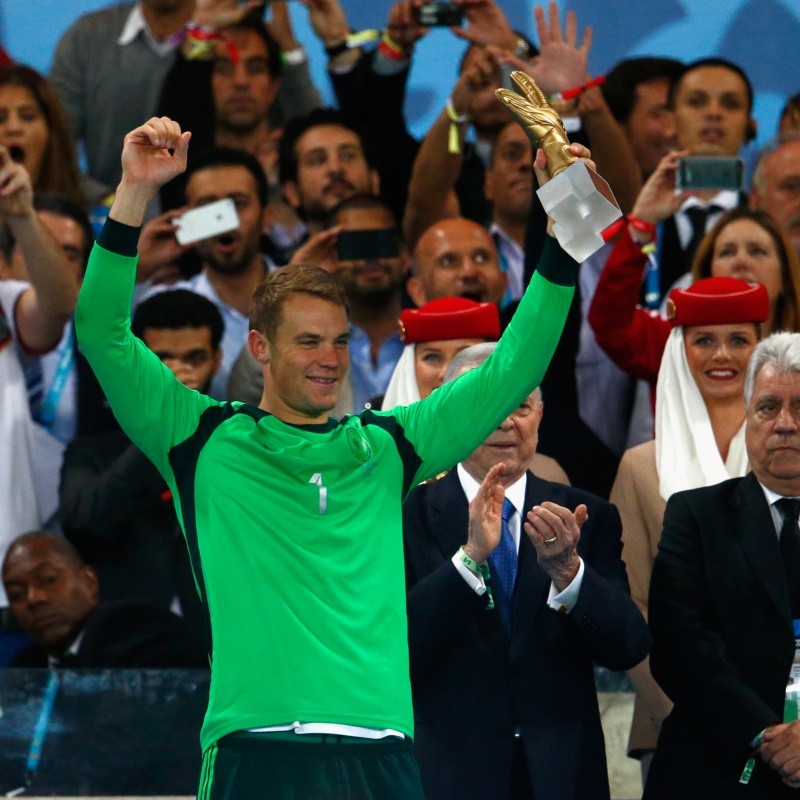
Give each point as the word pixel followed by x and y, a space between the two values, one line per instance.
pixel 641 508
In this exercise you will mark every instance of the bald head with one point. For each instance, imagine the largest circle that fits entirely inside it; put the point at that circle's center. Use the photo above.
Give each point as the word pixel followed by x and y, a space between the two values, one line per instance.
pixel 456 258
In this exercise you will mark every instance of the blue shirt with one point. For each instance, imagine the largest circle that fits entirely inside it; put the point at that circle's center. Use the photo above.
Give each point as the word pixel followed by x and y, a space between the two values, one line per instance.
pixel 366 378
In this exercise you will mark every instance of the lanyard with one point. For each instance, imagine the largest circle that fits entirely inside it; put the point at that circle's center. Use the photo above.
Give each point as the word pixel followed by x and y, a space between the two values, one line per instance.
pixel 39 733
pixel 47 415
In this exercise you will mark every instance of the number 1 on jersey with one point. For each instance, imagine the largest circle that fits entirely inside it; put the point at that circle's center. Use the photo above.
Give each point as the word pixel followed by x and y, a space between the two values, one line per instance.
pixel 316 479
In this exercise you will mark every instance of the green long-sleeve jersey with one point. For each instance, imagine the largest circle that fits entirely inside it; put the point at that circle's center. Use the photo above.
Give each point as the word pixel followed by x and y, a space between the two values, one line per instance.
pixel 294 532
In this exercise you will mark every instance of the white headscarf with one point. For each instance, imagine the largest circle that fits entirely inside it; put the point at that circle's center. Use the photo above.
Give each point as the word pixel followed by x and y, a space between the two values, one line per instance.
pixel 687 456
pixel 403 389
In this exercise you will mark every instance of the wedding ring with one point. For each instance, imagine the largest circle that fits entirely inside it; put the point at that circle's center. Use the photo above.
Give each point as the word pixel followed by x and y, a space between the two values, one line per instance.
pixel 551 540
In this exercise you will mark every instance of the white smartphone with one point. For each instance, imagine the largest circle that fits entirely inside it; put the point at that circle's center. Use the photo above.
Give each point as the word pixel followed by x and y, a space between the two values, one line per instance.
pixel 206 221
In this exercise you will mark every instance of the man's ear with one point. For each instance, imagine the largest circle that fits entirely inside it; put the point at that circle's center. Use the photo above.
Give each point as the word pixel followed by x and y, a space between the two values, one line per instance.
pixel 291 194
pixel 259 346
pixel 216 360
pixel 375 182
pixel 416 291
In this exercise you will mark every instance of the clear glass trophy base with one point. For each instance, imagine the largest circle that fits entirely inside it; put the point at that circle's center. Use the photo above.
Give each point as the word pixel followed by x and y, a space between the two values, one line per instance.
pixel 582 206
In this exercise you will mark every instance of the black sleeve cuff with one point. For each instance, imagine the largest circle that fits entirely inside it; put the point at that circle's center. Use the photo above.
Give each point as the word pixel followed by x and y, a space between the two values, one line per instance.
pixel 556 265
pixel 119 238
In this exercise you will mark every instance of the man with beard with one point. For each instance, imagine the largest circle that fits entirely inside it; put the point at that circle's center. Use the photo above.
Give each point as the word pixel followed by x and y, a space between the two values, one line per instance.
pixel 373 282
pixel 232 263
pixel 322 162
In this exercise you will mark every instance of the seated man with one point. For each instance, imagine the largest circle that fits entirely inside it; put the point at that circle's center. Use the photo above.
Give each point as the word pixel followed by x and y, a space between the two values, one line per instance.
pixel 502 672
pixel 53 595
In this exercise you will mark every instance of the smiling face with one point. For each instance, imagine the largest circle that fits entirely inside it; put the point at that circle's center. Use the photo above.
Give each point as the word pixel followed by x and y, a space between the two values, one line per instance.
pixel 745 250
pixel 717 356
pixel 431 360
pixel 307 359
pixel 49 594
pixel 772 433
pixel 513 442
pixel 23 128
pixel 233 252
pixel 711 111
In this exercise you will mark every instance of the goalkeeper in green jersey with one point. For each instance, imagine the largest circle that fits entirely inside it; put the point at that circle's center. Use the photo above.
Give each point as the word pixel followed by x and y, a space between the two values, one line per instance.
pixel 292 518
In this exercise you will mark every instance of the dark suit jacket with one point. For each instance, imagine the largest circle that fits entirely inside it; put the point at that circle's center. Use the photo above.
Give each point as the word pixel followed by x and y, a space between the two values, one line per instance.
pixel 472 685
pixel 129 635
pixel 722 641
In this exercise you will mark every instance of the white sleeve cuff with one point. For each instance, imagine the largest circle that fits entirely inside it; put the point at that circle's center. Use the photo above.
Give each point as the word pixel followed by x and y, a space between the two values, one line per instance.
pixel 475 582
pixel 565 600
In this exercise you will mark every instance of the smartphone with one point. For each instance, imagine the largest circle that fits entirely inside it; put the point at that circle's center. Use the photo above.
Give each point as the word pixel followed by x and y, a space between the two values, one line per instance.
pixel 206 221
pixel 368 245
pixel 710 172
pixel 440 14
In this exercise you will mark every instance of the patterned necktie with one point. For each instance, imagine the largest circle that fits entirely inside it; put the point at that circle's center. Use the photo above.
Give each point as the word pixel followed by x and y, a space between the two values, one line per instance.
pixel 698 216
pixel 503 567
pixel 790 549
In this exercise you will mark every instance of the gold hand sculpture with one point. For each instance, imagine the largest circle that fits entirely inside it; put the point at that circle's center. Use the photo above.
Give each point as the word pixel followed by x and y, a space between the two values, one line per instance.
pixel 539 120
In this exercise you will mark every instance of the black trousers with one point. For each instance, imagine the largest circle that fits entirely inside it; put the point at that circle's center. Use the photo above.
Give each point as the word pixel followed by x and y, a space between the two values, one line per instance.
pixel 264 766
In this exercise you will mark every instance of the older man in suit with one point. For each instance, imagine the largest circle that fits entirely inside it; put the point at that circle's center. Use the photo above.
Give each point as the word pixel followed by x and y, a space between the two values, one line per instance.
pixel 724 603
pixel 506 618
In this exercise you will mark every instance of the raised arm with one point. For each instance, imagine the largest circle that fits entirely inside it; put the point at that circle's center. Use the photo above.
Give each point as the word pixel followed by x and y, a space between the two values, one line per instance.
pixel 153 407
pixel 43 309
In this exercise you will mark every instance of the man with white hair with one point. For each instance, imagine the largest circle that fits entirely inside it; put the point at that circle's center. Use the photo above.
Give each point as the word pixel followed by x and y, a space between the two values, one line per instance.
pixel 507 610
pixel 725 608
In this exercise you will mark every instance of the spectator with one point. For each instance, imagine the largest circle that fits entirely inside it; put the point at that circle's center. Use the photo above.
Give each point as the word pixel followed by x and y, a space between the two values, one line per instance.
pixel 456 258
pixel 232 263
pixel 513 621
pixel 636 91
pixel 241 103
pixel 115 507
pixel 699 441
pixel 711 104
pixel 723 594
pixel 54 596
pixel 742 244
pixel 434 334
pixel 776 185
pixel 323 160
pixel 108 69
pixel 32 319
pixel 34 129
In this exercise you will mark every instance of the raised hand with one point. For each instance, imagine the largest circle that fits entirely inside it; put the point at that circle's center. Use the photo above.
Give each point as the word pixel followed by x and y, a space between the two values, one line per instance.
pixel 562 63
pixel 485 516
pixel 403 24
pixel 152 155
pixel 555 531
pixel 658 199
pixel 487 25
pixel 328 20
pixel 218 14
pixel 16 191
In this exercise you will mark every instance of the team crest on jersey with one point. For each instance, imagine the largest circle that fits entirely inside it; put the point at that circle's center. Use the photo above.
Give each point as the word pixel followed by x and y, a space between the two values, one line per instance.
pixel 358 445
